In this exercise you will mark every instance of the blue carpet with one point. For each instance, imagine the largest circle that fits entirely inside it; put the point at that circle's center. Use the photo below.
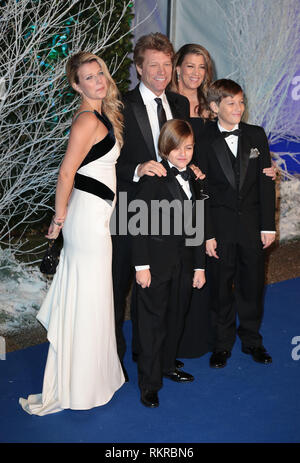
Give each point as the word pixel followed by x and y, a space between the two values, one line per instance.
pixel 244 402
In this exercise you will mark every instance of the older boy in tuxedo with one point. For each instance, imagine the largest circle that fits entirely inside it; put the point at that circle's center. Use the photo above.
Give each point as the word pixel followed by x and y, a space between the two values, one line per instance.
pixel 167 265
pixel 240 222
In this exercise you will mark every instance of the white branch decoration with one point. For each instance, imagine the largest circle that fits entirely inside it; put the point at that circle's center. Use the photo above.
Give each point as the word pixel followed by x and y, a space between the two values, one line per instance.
pixel 264 37
pixel 264 44
pixel 32 143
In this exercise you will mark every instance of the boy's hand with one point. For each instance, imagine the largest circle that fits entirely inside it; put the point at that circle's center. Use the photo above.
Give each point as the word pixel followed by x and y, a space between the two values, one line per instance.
pixel 199 279
pixel 151 168
pixel 267 239
pixel 211 246
pixel 143 278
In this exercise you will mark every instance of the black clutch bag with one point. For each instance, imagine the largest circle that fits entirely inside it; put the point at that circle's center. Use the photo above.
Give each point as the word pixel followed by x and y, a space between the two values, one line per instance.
pixel 51 258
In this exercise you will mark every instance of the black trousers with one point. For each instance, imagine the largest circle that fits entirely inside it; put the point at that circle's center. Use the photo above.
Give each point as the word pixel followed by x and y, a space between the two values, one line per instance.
pixel 122 273
pixel 236 288
pixel 161 311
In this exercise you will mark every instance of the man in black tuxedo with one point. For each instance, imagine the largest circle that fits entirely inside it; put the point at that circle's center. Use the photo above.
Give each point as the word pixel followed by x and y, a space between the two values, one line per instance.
pixel 169 259
pixel 240 222
pixel 146 108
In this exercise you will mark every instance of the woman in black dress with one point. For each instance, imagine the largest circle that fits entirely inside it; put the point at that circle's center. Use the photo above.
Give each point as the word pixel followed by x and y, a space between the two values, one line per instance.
pixel 192 75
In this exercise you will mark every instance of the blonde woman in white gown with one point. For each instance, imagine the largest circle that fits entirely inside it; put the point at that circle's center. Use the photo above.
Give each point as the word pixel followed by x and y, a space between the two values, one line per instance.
pixel 83 368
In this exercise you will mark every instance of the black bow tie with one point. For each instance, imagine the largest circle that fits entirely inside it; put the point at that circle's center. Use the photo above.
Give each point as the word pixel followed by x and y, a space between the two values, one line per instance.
pixel 185 174
pixel 236 132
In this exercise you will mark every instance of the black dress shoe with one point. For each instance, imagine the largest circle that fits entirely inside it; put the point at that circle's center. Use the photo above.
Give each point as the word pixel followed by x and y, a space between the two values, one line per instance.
pixel 259 354
pixel 179 364
pixel 149 399
pixel 125 373
pixel 219 359
pixel 179 376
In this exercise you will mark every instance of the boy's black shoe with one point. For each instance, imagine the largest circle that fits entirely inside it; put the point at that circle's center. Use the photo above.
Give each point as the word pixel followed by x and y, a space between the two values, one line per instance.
pixel 149 399
pixel 259 354
pixel 219 359
pixel 179 376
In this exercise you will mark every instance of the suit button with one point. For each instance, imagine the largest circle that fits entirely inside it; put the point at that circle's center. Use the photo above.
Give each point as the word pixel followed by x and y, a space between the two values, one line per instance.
pixel 240 198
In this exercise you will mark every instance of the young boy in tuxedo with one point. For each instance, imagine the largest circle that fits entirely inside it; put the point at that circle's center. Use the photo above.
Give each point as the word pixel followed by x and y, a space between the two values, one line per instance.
pixel 167 265
pixel 240 222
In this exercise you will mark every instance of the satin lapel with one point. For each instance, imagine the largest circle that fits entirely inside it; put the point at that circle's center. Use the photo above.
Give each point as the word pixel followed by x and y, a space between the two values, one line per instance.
pixel 141 116
pixel 244 152
pixel 178 193
pixel 195 190
pixel 173 186
pixel 224 160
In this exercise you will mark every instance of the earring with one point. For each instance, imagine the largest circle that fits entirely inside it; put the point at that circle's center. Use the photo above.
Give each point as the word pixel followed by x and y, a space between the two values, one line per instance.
pixel 178 75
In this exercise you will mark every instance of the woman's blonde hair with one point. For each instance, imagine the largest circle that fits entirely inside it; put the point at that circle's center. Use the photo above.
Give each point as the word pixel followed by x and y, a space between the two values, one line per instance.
pixel 194 49
pixel 172 134
pixel 111 104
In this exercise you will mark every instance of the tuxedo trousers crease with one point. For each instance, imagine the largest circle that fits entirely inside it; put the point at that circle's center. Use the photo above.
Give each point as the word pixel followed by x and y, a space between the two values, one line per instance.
pixel 122 272
pixel 249 292
pixel 236 288
pixel 161 310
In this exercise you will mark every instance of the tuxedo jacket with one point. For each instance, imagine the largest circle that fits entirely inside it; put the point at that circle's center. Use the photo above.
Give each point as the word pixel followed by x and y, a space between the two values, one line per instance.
pixel 237 212
pixel 138 140
pixel 162 251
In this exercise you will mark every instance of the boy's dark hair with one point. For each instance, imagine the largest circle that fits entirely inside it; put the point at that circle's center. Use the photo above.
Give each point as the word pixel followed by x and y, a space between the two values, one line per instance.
pixel 222 88
pixel 172 134
pixel 154 41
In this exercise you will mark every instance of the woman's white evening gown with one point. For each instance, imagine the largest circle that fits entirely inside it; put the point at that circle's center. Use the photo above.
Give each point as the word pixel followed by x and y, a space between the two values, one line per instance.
pixel 83 368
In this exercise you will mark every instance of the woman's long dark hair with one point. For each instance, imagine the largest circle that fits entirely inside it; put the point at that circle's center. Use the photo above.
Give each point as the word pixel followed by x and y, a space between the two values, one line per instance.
pixel 194 49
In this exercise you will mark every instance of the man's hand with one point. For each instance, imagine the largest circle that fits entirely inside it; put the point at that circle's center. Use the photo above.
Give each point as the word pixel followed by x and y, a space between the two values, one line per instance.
pixel 211 246
pixel 267 239
pixel 143 278
pixel 151 168
pixel 199 279
pixel 198 173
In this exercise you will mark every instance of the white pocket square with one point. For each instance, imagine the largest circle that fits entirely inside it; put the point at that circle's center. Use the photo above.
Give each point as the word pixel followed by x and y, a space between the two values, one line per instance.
pixel 254 153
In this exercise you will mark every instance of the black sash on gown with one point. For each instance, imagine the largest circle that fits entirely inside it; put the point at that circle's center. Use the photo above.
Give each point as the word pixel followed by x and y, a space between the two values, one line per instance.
pixel 89 184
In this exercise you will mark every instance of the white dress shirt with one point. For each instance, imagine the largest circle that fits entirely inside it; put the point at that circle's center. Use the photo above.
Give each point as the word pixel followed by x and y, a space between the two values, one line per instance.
pixel 231 140
pixel 148 98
